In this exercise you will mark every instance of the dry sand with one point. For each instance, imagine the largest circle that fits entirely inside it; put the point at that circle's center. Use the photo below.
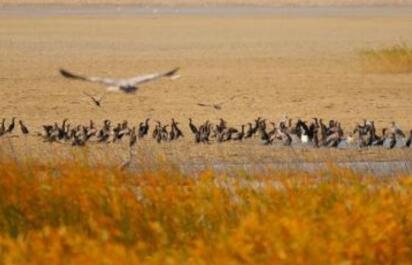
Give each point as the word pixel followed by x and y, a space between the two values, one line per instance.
pixel 280 64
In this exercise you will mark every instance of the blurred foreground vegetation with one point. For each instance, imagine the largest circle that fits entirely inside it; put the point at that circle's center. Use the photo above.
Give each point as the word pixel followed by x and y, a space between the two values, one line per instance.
pixel 73 213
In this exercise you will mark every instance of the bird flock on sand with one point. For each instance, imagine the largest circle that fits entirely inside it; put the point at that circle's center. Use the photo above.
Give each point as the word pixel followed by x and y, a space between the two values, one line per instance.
pixel 287 132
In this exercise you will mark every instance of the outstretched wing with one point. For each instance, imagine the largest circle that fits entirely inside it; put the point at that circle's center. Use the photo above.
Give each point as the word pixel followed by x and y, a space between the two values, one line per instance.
pixel 150 77
pixel 95 100
pixel 105 81
pixel 88 95
pixel 204 105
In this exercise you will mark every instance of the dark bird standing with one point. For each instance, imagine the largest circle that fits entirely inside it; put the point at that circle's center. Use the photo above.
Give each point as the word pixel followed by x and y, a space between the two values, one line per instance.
pixel 23 128
pixel 11 126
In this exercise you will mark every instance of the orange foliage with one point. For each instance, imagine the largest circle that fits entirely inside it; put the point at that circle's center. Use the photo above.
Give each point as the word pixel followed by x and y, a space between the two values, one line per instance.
pixel 78 214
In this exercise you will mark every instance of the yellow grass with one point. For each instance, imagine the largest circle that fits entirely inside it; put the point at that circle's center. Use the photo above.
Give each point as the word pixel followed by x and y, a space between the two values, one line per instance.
pixel 395 59
pixel 72 213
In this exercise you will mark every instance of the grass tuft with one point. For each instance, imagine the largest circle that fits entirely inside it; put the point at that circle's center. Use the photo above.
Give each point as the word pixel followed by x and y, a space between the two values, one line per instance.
pixel 395 59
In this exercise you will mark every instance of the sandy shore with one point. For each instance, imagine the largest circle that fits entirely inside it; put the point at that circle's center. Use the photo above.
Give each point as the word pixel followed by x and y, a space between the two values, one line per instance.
pixel 302 66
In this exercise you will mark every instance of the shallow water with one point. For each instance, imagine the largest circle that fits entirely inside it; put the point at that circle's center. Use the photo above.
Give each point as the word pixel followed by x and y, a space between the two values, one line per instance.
pixel 375 168
pixel 135 10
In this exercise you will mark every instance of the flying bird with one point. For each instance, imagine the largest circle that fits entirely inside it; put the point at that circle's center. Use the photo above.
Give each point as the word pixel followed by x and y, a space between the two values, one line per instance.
pixel 218 106
pixel 128 85
pixel 96 101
